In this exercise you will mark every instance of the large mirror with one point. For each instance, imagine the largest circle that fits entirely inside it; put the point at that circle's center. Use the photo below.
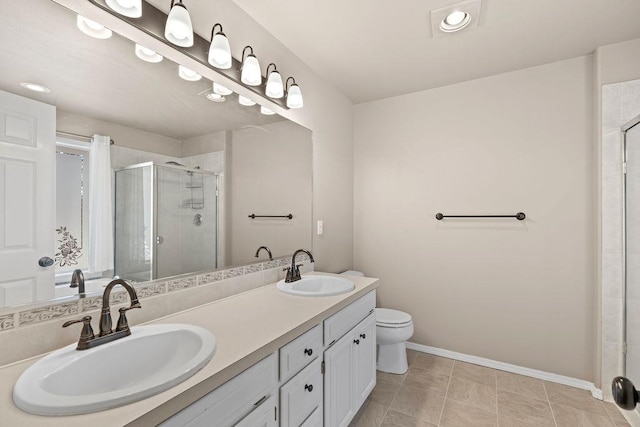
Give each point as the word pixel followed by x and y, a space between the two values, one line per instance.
pixel 186 172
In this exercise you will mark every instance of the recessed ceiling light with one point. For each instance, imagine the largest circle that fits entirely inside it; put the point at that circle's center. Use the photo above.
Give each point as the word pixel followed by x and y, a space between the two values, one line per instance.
pixel 147 54
pixel 266 111
pixel 243 100
pixel 215 97
pixel 92 28
pixel 188 74
pixel 35 87
pixel 455 21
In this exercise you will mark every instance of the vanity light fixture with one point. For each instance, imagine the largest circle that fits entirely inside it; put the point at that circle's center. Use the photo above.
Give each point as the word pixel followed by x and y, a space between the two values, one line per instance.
pixel 130 8
pixel 35 87
pixel 221 90
pixel 92 28
pixel 147 54
pixel 215 97
pixel 294 95
pixel 188 74
pixel 267 112
pixel 250 71
pixel 178 29
pixel 243 100
pixel 455 21
pixel 274 87
pixel 219 50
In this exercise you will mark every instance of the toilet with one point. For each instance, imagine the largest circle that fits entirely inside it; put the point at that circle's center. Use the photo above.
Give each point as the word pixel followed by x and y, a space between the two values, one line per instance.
pixel 393 328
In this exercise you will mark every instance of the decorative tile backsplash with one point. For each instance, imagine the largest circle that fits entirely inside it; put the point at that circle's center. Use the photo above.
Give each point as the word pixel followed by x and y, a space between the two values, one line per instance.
pixel 44 313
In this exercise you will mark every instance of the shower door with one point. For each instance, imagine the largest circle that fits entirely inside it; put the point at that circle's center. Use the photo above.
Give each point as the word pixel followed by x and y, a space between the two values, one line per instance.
pixel 186 221
pixel 631 133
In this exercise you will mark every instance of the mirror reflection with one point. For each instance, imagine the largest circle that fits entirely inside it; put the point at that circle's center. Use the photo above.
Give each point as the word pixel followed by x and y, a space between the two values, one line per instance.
pixel 154 176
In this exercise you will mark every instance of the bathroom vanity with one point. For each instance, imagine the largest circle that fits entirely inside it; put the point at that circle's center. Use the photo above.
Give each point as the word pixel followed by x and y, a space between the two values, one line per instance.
pixel 281 360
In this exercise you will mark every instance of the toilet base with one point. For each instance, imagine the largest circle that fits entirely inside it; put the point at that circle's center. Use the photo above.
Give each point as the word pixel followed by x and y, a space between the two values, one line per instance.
pixel 392 358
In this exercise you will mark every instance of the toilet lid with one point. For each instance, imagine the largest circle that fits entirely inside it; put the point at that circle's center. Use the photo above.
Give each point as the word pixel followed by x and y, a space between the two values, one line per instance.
pixel 391 317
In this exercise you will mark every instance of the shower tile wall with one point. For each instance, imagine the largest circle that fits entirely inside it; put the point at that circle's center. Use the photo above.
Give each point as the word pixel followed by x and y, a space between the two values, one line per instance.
pixel 620 103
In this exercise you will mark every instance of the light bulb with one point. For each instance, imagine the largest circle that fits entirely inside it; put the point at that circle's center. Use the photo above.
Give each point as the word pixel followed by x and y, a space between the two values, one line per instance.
pixel 178 29
pixel 221 90
pixel 243 100
pixel 147 54
pixel 92 28
pixel 274 87
pixel 188 74
pixel 130 8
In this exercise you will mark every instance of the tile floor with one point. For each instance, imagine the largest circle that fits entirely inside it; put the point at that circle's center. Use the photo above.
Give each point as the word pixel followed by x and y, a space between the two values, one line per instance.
pixel 442 392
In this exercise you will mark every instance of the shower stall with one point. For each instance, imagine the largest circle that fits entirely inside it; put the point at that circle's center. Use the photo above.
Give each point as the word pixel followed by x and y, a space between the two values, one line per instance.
pixel 631 271
pixel 166 221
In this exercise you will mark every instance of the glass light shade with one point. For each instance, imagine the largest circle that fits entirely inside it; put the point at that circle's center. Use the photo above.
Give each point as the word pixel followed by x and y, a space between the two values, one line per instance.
pixel 188 74
pixel 130 8
pixel 92 28
pixel 221 90
pixel 243 100
pixel 220 52
pixel 274 87
pixel 266 111
pixel 294 97
pixel 178 29
pixel 147 54
pixel 251 74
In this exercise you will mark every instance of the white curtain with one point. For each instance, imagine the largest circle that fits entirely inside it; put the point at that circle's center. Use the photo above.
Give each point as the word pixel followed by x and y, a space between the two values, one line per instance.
pixel 100 205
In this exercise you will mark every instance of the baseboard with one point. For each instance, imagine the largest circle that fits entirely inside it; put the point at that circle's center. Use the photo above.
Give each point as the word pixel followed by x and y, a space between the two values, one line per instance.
pixel 632 416
pixel 489 363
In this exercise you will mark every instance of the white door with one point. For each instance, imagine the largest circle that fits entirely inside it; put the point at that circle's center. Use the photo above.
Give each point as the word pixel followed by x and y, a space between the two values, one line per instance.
pixel 338 383
pixel 365 358
pixel 27 199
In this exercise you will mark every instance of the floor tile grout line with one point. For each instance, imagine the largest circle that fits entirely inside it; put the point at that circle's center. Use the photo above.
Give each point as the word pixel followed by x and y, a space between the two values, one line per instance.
pixel 394 396
pixel 544 386
pixel 444 403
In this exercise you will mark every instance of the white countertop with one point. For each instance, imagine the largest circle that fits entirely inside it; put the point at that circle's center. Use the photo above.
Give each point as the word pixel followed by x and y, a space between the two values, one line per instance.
pixel 247 327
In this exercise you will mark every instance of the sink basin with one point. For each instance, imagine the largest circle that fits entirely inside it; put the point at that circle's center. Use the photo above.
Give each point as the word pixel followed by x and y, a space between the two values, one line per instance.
pixel 317 286
pixel 152 359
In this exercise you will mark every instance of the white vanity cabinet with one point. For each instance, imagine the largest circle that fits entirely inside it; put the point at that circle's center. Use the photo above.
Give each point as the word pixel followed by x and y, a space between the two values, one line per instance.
pixel 249 399
pixel 350 363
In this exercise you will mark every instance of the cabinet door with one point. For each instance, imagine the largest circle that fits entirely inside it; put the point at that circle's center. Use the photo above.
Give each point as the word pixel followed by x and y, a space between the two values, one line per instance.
pixel 262 416
pixel 301 395
pixel 315 419
pixel 365 359
pixel 339 386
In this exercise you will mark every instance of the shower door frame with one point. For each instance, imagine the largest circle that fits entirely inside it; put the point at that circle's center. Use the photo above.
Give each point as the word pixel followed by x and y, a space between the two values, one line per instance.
pixel 624 129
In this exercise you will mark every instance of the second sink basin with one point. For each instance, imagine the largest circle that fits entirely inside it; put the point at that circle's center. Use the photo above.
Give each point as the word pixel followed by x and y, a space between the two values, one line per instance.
pixel 317 286
pixel 152 359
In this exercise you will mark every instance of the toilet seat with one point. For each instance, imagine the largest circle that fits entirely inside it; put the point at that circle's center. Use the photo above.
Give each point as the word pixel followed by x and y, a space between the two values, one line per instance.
pixel 388 318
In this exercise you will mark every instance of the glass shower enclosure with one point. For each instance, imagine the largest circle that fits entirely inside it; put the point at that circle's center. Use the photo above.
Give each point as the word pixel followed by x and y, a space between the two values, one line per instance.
pixel 166 221
pixel 631 170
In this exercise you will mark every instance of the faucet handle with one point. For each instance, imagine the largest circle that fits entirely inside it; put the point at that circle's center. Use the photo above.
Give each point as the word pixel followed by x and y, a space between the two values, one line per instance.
pixel 123 323
pixel 87 330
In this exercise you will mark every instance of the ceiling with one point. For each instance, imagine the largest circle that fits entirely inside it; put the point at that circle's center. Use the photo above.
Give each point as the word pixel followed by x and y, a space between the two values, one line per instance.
pixel 104 79
pixel 374 49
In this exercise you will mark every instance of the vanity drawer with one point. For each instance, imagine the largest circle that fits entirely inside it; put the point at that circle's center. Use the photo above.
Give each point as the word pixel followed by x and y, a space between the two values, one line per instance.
pixel 300 352
pixel 233 400
pixel 341 322
pixel 301 395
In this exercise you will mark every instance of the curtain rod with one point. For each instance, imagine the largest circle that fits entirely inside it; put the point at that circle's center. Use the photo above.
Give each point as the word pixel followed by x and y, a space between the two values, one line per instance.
pixel 88 138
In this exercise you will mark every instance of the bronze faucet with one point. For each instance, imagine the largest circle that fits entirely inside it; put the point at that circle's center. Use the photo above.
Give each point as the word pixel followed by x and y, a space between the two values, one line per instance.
pixel 77 281
pixel 293 272
pixel 87 337
pixel 266 249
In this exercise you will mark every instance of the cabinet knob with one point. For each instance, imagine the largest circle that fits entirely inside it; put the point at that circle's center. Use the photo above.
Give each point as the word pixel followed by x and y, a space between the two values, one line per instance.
pixel 308 351
pixel 357 342
pixel 308 387
pixel 363 336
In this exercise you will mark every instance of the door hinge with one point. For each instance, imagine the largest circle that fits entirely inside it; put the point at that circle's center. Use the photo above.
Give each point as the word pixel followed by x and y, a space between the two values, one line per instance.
pixel 624 348
pixel 624 167
pixel 275 413
pixel 322 368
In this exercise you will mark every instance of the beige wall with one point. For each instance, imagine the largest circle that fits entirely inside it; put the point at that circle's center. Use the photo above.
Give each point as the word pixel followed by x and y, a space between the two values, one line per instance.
pixel 517 292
